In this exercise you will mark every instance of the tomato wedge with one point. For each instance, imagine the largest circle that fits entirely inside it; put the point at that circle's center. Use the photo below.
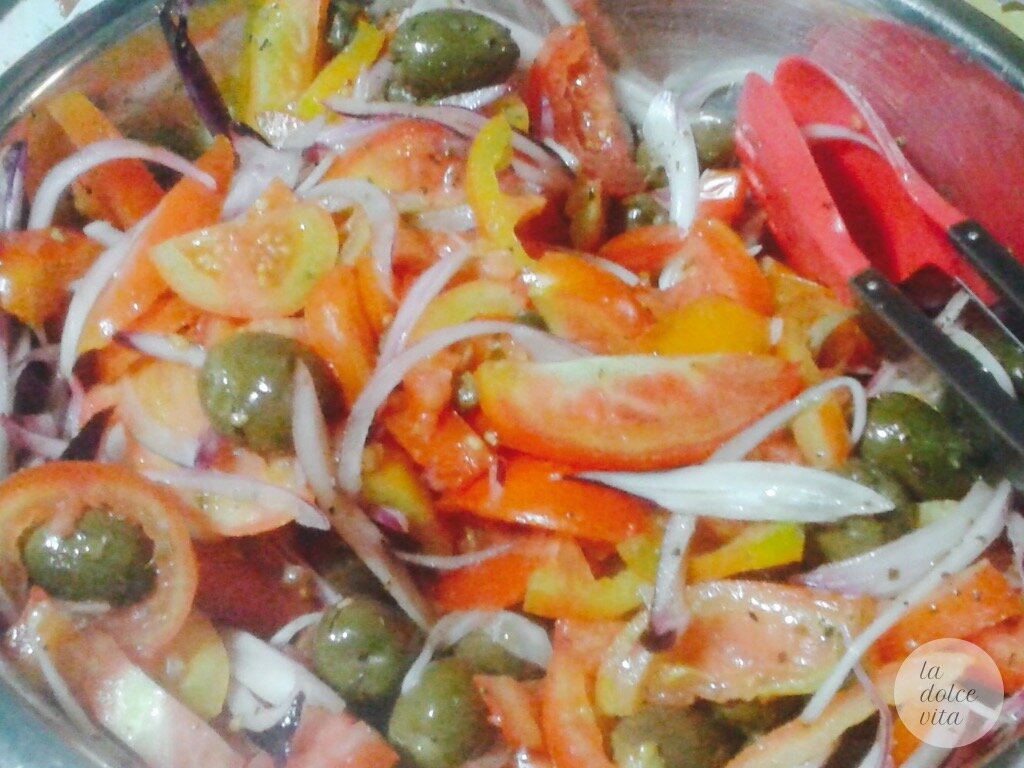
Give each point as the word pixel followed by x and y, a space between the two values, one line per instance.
pixel 569 89
pixel 34 496
pixel 630 411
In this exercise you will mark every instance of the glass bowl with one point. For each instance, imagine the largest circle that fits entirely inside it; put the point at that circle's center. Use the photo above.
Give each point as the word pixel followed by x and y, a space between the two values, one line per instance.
pixel 115 54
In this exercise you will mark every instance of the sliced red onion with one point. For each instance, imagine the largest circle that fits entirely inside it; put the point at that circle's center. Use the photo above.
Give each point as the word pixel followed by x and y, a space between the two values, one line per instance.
pixel 103 232
pixel 950 315
pixel 170 347
pixel 88 290
pixel 300 136
pixel 258 166
pixel 453 220
pixel 879 756
pixel 44 446
pixel 341 194
pixel 474 100
pixel 250 714
pixel 6 390
pixel 562 12
pixel 828 132
pixel 365 539
pixel 289 631
pixel 750 490
pixel 542 347
pixel 372 82
pixel 66 171
pixel 985 358
pixel 629 278
pixel 309 436
pixel 245 489
pixel 390 519
pixel 569 160
pixel 1015 534
pixel 739 446
pixel 87 443
pixel 926 756
pixel 634 91
pixel 12 186
pixel 619 687
pixel 891 568
pixel 984 529
pixel 426 288
pixel 154 435
pixel 346 135
pixel 199 83
pixel 697 87
pixel 316 175
pixel 114 446
pixel 463 121
pixel 453 562
pixel 666 129
pixel 669 614
pixel 514 632
pixel 274 677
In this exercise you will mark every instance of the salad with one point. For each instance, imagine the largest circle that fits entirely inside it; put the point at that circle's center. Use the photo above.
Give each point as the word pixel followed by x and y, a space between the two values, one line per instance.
pixel 452 403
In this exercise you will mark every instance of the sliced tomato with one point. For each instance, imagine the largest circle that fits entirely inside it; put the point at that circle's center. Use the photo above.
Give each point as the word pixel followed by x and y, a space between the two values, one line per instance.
pixel 37 268
pixel 645 250
pixel 541 494
pixel 241 583
pixel 584 303
pixel 496 583
pixel 262 266
pixel 967 603
pixel 630 412
pixel 337 740
pixel 407 156
pixel 1004 642
pixel 513 708
pixel 716 263
pixel 571 731
pixel 68 489
pixel 723 194
pixel 569 90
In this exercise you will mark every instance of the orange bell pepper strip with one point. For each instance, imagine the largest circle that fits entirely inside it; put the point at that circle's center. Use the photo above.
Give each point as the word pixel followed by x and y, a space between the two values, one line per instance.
pixel 645 250
pixel 969 602
pixel 496 212
pixel 571 731
pixel 188 206
pixel 706 326
pixel 584 303
pixel 37 268
pixel 543 494
pixel 122 191
pixel 497 583
pixel 340 332
pixel 340 73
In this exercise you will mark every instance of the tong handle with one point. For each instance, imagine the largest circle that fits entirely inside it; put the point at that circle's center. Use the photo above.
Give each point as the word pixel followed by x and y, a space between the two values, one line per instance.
pixel 994 262
pixel 957 367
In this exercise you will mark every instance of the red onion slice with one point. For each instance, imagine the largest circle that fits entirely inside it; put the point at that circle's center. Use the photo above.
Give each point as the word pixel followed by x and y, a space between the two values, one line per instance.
pixel 985 358
pixel 43 446
pixel 879 756
pixel 103 232
pixel 12 186
pixel 629 278
pixel 288 632
pixel 426 288
pixel 66 171
pixel 258 166
pixel 152 434
pixel 309 436
pixel 453 562
pixel 666 129
pixel 985 528
pixel 828 132
pixel 244 489
pixel 541 346
pixel 474 100
pixel 1015 534
pixel 170 347
pixel 669 614
pixel 750 490
pixel 372 83
pixel 739 446
pixel 454 220
pixel 341 194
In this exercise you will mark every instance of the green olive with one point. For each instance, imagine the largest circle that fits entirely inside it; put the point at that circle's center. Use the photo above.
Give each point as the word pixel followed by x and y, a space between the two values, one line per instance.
pixel 247 383
pixel 349 575
pixel 489 657
pixel 104 558
pixel 714 137
pixel 684 738
pixel 642 210
pixel 918 446
pixel 441 52
pixel 442 721
pixel 362 649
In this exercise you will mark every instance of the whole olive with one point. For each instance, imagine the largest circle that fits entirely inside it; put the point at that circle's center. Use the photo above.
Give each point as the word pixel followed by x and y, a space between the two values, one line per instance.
pixel 247 383
pixel 445 51
pixel 918 446
pixel 641 210
pixel 684 737
pixel 104 558
pixel 362 649
pixel 486 656
pixel 442 721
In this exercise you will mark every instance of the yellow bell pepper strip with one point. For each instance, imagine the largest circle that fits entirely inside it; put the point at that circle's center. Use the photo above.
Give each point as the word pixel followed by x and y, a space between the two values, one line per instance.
pixel 515 111
pixel 341 72
pixel 760 546
pixel 282 51
pixel 496 212
pixel 566 588
pixel 482 298
pixel 709 325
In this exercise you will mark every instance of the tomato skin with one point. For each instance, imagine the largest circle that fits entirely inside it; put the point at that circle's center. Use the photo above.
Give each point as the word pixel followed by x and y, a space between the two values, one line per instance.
pixel 540 494
pixel 568 87
pixel 497 583
pixel 67 489
pixel 631 411
pixel 328 740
